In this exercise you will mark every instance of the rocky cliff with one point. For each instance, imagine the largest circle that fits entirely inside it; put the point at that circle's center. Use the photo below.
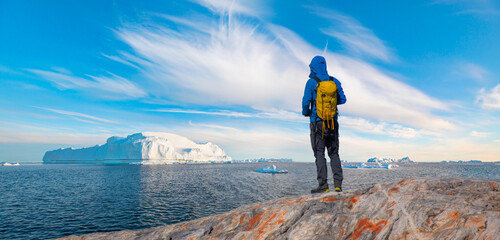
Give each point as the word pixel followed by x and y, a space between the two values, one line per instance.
pixel 415 208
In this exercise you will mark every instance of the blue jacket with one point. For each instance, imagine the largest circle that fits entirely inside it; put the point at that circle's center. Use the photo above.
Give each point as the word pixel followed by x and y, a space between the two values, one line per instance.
pixel 318 69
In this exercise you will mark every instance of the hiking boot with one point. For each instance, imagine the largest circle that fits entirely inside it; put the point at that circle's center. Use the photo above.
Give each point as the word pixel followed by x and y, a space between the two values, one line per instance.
pixel 338 189
pixel 321 189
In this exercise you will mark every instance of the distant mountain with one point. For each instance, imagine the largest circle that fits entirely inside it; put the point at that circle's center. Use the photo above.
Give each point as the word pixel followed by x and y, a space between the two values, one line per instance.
pixel 142 148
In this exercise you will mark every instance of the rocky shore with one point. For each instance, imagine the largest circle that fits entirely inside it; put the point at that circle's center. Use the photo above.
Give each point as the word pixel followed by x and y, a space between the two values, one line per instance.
pixel 413 208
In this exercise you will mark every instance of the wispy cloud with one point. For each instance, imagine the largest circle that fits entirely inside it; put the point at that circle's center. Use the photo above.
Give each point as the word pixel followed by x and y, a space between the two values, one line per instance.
pixel 251 8
pixel 490 99
pixel 11 136
pixel 360 40
pixel 479 134
pixel 471 71
pixel 107 87
pixel 354 123
pixel 79 116
pixel 203 125
pixel 473 7
pixel 448 148
pixel 277 114
pixel 235 62
pixel 382 128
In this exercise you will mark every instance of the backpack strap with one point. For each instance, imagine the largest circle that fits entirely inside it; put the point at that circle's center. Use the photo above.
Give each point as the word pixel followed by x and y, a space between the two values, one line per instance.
pixel 319 80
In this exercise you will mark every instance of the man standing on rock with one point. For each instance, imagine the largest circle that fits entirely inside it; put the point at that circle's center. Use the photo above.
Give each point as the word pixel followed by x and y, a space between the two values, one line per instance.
pixel 322 95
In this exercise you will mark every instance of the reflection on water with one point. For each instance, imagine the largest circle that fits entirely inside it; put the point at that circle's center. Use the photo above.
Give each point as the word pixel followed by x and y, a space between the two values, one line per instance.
pixel 49 201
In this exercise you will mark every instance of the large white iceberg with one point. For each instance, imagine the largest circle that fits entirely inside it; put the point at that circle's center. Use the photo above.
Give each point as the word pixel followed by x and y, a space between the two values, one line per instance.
pixel 142 148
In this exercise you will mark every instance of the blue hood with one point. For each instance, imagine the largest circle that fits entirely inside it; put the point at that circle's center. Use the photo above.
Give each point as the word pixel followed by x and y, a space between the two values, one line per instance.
pixel 318 68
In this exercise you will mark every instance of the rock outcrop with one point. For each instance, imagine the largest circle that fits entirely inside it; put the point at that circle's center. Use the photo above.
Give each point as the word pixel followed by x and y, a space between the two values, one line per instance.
pixel 414 208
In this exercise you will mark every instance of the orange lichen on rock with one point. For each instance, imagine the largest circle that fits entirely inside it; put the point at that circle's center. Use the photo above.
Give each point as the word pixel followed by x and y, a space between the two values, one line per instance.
pixel 289 202
pixel 394 189
pixel 352 201
pixel 281 218
pixel 268 223
pixel 476 221
pixel 265 224
pixel 401 182
pixel 493 186
pixel 454 214
pixel 365 224
pixel 242 217
pixel 252 221
pixel 183 226
pixel 391 205
pixel 328 199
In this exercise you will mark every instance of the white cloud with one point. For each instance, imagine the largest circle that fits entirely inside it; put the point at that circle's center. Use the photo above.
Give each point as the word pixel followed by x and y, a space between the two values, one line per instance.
pixel 265 67
pixel 276 114
pixel 471 71
pixel 354 123
pixel 76 114
pixel 354 36
pixel 479 134
pixel 250 8
pixel 490 99
pixel 473 7
pixel 21 136
pixel 107 87
pixel 203 125
pixel 382 128
pixel 360 149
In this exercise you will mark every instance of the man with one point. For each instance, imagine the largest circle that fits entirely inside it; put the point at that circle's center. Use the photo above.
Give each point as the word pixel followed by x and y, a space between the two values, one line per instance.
pixel 324 132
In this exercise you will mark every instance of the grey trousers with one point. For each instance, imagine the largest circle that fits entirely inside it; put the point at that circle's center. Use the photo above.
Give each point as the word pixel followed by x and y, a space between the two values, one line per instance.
pixel 330 140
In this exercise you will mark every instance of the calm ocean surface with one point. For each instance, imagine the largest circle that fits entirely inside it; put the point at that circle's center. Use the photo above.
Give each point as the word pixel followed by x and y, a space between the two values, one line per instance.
pixel 50 201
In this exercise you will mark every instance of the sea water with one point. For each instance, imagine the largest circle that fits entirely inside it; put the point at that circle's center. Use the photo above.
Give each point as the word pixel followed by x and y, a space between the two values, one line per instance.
pixel 50 201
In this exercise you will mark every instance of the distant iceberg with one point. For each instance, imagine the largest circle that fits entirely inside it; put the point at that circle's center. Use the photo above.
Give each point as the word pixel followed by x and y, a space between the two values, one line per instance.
pixel 271 169
pixel 378 165
pixel 6 164
pixel 390 160
pixel 142 148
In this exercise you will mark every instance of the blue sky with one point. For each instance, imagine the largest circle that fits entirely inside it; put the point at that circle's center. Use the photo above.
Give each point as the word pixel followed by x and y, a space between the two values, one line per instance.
pixel 421 77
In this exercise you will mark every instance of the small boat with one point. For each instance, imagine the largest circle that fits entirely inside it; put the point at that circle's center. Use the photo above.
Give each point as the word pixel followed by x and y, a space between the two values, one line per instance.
pixel 271 169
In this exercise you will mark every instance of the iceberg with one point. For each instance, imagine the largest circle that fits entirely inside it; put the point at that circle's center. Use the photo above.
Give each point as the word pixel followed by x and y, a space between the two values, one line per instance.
pixel 6 164
pixel 390 160
pixel 271 169
pixel 378 165
pixel 142 148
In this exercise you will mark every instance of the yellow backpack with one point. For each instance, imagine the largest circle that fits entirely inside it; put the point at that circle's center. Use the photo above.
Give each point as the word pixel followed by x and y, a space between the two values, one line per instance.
pixel 326 102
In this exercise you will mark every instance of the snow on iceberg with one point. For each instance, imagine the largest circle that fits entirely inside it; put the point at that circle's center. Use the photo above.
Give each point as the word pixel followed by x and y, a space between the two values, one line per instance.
pixel 142 148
